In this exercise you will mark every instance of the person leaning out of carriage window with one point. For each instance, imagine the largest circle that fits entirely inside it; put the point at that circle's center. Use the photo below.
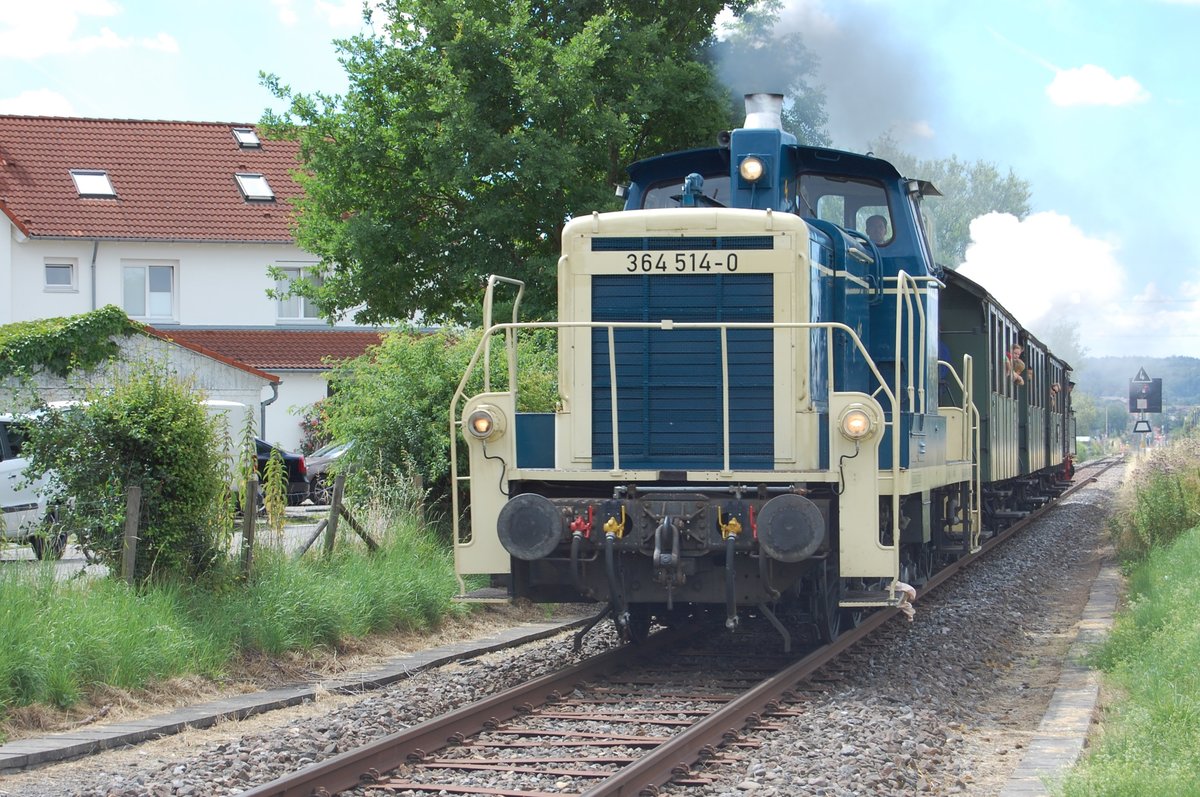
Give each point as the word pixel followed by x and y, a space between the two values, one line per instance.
pixel 1014 364
pixel 877 229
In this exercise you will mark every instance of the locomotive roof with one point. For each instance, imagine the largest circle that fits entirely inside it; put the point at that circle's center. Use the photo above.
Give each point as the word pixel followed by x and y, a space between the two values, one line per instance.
pixel 816 159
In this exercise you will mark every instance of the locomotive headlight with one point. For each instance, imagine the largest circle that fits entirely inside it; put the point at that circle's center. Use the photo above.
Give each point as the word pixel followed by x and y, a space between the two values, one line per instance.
pixel 485 423
pixel 856 423
pixel 751 169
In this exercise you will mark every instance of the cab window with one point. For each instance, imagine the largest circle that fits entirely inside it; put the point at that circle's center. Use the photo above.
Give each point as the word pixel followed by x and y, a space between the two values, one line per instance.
pixel 667 193
pixel 851 203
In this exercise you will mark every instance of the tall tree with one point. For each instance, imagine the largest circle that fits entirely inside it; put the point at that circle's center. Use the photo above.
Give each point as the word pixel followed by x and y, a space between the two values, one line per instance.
pixel 969 190
pixel 473 129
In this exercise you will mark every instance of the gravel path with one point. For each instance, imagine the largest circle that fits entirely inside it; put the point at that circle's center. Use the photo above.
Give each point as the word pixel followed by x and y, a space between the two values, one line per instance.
pixel 943 705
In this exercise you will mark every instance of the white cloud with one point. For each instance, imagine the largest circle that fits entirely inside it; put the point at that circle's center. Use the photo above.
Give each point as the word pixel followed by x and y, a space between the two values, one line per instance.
pixel 918 129
pixel 1045 270
pixel 38 29
pixel 1040 264
pixel 41 102
pixel 1093 85
pixel 1161 323
pixel 163 42
pixel 286 12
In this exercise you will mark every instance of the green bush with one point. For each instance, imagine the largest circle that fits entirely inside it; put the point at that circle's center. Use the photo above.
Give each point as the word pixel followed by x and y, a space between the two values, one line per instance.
pixel 394 401
pixel 1159 501
pixel 150 430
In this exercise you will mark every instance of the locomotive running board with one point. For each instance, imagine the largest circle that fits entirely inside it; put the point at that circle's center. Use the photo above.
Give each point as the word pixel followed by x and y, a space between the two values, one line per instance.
pixel 860 599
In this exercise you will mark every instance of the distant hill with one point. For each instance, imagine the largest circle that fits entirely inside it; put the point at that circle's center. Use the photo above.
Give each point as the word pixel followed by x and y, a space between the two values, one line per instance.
pixel 1109 376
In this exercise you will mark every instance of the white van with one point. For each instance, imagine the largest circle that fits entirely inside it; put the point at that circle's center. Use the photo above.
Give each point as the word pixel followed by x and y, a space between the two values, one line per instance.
pixel 232 419
pixel 24 516
pixel 22 510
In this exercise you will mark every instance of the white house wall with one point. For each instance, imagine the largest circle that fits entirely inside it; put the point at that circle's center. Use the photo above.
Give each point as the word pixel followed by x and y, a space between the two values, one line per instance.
pixel 214 285
pixel 298 390
pixel 213 378
pixel 8 233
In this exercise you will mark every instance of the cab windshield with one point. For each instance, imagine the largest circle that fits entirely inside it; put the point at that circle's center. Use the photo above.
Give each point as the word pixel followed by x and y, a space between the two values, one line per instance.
pixel 668 193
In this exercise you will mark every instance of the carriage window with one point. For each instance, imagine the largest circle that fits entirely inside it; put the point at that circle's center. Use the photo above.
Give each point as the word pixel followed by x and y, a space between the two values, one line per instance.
pixel 997 358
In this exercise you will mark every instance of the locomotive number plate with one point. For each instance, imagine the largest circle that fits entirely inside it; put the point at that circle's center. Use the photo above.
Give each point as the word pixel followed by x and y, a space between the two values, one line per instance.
pixel 680 262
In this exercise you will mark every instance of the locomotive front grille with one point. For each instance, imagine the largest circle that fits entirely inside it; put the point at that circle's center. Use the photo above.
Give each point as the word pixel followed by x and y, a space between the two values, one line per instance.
pixel 691 243
pixel 669 382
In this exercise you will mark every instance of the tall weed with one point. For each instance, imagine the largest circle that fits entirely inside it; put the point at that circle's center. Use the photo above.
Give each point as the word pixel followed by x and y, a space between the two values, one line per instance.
pixel 59 638
pixel 1159 501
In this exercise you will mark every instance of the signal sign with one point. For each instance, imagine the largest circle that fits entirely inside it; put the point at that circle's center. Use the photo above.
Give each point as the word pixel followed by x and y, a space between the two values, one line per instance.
pixel 1145 394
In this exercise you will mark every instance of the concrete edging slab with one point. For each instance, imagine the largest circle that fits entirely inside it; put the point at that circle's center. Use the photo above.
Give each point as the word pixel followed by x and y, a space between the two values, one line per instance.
pixel 1063 732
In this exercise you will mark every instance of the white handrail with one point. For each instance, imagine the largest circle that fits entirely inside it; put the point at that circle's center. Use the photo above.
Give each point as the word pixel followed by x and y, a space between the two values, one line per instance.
pixel 971 433
pixel 667 325
pixel 906 289
pixel 487 323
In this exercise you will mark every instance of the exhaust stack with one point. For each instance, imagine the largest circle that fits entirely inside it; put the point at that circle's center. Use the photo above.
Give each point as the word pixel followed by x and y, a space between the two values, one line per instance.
pixel 764 112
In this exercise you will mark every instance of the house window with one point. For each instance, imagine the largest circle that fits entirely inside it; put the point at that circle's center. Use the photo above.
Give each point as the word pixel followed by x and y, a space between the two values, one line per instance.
pixel 296 307
pixel 92 183
pixel 59 276
pixel 246 137
pixel 255 187
pixel 150 291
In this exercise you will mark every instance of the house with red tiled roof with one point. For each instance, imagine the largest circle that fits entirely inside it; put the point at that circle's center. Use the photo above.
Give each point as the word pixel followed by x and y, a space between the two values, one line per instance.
pixel 177 223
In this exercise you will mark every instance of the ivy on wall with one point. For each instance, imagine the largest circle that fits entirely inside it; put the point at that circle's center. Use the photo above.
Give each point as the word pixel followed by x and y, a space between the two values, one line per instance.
pixel 61 345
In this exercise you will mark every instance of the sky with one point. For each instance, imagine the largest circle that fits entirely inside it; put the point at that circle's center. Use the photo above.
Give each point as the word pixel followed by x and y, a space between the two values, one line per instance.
pixel 1095 103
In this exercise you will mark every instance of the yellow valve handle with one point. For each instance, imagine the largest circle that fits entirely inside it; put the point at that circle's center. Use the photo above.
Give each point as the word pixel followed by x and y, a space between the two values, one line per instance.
pixel 730 529
pixel 612 526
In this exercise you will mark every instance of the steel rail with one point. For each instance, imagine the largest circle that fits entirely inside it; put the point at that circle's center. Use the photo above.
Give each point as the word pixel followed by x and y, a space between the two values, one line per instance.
pixel 670 760
pixel 675 758
pixel 362 765
pixel 1001 537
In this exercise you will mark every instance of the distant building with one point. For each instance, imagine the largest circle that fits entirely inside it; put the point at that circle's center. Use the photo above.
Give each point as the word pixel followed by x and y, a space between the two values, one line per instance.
pixel 176 223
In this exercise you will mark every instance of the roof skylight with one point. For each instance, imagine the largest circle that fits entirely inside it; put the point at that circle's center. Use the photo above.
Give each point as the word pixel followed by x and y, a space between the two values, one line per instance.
pixel 92 183
pixel 246 137
pixel 254 186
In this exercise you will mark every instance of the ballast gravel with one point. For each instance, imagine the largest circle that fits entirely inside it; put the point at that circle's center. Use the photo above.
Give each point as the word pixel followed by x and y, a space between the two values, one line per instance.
pixel 942 705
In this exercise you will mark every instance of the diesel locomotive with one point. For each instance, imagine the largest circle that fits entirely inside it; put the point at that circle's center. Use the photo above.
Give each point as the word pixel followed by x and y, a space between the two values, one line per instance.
pixel 771 400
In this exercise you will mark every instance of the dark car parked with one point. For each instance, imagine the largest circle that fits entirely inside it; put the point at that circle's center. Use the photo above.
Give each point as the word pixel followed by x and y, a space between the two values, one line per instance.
pixel 297 470
pixel 319 464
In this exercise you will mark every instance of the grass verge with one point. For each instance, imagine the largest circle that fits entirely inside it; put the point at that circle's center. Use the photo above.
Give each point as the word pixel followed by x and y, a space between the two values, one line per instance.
pixel 1150 738
pixel 59 640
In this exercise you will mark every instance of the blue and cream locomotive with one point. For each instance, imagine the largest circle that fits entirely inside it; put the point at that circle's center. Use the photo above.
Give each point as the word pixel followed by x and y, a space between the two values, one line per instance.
pixel 753 414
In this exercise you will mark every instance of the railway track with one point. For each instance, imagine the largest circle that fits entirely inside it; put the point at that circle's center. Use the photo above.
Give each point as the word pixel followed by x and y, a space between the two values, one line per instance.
pixel 623 723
